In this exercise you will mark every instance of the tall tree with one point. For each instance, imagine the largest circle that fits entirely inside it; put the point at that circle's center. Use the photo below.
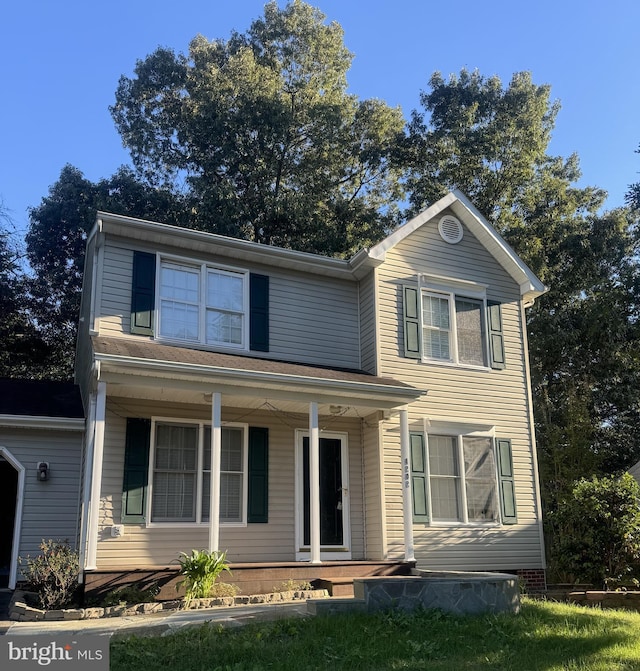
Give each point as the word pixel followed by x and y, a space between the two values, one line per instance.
pixel 491 142
pixel 56 246
pixel 20 344
pixel 260 133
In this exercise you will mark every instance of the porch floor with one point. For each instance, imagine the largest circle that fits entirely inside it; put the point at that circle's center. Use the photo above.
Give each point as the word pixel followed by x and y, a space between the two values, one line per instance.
pixel 250 578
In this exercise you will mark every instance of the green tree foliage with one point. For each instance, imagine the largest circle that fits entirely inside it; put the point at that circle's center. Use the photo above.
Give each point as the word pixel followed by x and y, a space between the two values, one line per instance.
pixel 20 343
pixel 491 142
pixel 56 243
pixel 598 530
pixel 261 136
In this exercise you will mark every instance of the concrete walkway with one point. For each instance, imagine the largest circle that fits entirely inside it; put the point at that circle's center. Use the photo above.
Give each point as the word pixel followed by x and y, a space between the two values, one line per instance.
pixel 159 624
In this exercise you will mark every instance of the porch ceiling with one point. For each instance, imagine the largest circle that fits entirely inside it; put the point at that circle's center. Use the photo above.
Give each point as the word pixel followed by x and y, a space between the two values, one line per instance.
pixel 144 369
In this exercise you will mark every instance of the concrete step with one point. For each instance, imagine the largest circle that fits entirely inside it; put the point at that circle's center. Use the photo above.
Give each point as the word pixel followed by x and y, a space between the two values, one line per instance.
pixel 342 587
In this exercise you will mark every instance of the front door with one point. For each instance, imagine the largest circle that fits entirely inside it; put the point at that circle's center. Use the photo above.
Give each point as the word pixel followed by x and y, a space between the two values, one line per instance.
pixel 8 494
pixel 334 498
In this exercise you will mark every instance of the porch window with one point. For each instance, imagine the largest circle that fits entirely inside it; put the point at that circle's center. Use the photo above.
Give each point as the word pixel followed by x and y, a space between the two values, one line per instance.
pixel 181 481
pixel 203 304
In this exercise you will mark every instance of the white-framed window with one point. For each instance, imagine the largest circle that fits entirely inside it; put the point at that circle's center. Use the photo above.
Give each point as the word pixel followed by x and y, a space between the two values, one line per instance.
pixel 454 328
pixel 204 304
pixel 462 479
pixel 180 472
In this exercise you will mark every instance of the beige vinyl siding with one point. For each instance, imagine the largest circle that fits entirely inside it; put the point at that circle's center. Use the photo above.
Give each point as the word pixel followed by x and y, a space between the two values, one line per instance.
pixel 311 319
pixel 492 397
pixel 50 509
pixel 373 505
pixel 83 361
pixel 159 545
pixel 115 304
pixel 368 323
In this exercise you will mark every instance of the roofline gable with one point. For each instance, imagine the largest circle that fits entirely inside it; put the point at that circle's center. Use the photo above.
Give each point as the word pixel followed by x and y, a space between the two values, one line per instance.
pixel 530 286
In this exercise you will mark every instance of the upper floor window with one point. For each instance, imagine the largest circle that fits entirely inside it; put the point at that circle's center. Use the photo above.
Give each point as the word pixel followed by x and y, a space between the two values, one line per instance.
pixel 195 302
pixel 453 329
pixel 203 304
pixel 457 326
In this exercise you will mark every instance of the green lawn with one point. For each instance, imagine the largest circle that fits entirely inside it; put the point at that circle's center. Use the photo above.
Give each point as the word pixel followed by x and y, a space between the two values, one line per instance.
pixel 547 636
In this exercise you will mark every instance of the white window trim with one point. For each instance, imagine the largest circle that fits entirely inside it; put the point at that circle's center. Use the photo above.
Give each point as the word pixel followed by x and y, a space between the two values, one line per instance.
pixel 199 475
pixel 437 428
pixel 437 286
pixel 202 267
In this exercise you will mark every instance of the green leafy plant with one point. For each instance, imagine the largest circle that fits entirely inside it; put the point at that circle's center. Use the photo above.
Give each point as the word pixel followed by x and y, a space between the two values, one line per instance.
pixel 292 585
pixel 131 594
pixel 53 574
pixel 600 525
pixel 200 570
pixel 221 589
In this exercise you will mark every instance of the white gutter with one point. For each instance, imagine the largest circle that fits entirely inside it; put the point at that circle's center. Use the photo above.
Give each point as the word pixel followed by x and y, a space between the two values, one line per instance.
pixel 43 422
pixel 132 228
pixel 257 377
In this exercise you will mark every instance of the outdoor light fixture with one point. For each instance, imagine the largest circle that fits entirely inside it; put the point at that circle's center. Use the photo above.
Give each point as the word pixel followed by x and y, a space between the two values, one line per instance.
pixel 43 471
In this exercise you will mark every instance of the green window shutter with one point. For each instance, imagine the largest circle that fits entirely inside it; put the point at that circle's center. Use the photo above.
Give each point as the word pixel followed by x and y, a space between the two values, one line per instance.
pixel 136 469
pixel 419 489
pixel 143 294
pixel 411 318
pixel 506 481
pixel 496 337
pixel 258 495
pixel 259 312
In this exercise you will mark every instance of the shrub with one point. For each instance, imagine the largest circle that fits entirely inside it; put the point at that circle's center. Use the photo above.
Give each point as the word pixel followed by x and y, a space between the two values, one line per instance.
pixel 599 530
pixel 200 570
pixel 132 594
pixel 292 585
pixel 53 574
pixel 221 589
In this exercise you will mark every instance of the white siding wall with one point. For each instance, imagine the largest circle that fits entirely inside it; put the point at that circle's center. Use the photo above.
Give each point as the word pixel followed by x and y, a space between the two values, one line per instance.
pixel 50 508
pixel 274 541
pixel 312 319
pixel 493 397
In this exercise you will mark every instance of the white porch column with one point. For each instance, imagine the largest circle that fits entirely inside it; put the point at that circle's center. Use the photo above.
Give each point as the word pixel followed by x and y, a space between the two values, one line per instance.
pixel 314 483
pixel 216 450
pixel 86 485
pixel 405 449
pixel 96 476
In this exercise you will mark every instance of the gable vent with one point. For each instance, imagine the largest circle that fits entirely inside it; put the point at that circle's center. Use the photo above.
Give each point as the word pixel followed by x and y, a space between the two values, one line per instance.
pixel 450 229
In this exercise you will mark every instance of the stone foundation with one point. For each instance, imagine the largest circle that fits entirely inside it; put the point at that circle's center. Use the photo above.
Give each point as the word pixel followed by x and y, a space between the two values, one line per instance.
pixel 458 593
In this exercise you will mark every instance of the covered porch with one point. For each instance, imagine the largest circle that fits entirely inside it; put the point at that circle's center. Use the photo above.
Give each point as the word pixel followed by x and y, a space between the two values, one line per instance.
pixel 322 475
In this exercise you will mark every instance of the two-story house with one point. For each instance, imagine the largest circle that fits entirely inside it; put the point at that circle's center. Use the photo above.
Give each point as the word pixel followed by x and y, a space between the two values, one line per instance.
pixel 300 411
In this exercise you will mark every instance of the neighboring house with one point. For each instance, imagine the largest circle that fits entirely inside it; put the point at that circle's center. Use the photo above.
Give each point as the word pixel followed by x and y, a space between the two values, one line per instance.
pixel 41 440
pixel 288 407
pixel 635 471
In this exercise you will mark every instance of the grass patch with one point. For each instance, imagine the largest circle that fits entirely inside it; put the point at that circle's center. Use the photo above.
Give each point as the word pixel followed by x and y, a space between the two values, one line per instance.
pixel 544 636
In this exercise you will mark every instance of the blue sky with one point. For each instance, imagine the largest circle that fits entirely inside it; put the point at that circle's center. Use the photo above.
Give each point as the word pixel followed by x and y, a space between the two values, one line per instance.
pixel 60 63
